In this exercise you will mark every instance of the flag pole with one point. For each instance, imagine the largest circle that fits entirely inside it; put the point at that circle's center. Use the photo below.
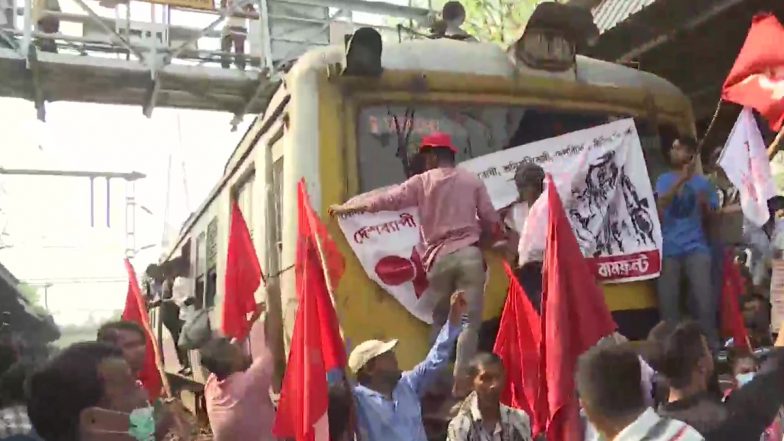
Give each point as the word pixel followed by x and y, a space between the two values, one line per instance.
pixel 167 390
pixel 353 423
pixel 774 146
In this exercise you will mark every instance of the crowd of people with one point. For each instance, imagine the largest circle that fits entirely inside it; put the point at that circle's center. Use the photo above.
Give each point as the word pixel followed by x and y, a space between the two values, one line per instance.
pixel 670 387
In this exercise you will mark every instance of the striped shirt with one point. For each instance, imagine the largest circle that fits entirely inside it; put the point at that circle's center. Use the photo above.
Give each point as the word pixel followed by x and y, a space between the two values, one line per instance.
pixel 514 424
pixel 651 427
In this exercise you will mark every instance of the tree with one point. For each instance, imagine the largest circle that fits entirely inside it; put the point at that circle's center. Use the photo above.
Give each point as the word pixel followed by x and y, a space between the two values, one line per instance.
pixel 497 21
pixel 30 293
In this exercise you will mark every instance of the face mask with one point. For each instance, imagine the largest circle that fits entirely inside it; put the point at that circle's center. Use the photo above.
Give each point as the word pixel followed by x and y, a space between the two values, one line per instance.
pixel 142 424
pixel 742 379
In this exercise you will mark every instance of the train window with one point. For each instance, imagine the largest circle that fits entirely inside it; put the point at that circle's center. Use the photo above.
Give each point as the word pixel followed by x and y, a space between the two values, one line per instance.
pixel 390 134
pixel 212 288
pixel 212 244
pixel 199 292
pixel 243 191
pixel 201 268
pixel 277 182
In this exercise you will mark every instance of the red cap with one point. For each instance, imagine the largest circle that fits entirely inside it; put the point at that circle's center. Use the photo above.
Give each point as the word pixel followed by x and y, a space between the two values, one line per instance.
pixel 438 139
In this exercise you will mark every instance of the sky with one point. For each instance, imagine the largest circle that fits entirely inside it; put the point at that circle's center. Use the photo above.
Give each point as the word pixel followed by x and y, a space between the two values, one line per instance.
pixel 49 238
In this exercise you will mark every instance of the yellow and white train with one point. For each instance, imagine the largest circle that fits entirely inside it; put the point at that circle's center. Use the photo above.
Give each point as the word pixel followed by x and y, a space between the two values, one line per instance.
pixel 344 132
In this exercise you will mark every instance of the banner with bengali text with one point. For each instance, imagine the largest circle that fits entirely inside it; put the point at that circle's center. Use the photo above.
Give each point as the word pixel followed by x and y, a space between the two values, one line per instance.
pixel 602 179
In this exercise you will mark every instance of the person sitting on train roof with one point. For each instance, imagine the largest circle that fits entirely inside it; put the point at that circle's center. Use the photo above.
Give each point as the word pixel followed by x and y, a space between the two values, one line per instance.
pixel 685 201
pixel 237 391
pixel 526 257
pixel 454 208
pixel 388 400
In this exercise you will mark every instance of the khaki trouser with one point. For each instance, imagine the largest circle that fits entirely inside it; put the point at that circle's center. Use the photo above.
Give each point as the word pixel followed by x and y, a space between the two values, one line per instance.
pixel 463 270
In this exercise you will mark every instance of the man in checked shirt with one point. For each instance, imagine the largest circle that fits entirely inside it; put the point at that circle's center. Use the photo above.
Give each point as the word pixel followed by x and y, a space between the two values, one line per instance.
pixel 454 210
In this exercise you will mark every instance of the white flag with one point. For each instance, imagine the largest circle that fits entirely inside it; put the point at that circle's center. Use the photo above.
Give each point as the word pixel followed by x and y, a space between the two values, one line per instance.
pixel 745 161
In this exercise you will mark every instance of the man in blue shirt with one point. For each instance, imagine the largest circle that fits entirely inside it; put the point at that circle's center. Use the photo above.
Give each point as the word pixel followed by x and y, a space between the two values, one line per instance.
pixel 685 201
pixel 388 400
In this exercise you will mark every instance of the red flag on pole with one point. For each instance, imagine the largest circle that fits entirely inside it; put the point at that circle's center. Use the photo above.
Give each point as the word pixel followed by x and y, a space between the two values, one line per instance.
pixel 136 311
pixel 732 323
pixel 757 78
pixel 243 277
pixel 519 337
pixel 574 318
pixel 316 344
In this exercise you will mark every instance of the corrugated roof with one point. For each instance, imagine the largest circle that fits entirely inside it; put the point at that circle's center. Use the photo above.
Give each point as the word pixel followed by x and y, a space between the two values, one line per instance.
pixel 609 13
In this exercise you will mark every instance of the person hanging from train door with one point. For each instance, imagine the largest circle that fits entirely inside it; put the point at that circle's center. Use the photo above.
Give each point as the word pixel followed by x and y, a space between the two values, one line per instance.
pixel 455 209
pixel 175 299
pixel 527 258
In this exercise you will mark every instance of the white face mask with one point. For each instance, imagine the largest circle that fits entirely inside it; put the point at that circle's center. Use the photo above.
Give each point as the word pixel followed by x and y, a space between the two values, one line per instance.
pixel 744 379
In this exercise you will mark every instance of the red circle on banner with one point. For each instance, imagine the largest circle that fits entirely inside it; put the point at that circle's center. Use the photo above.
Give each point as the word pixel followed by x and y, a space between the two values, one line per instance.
pixel 395 270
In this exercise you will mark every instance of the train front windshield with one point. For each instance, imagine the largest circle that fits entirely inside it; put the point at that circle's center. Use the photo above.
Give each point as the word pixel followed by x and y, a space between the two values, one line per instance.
pixel 389 135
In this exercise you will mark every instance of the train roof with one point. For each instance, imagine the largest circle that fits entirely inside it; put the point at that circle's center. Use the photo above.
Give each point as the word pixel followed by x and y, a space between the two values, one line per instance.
pixel 452 56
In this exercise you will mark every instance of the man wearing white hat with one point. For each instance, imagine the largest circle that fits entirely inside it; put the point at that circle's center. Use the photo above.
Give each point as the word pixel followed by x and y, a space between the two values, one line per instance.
pixel 388 403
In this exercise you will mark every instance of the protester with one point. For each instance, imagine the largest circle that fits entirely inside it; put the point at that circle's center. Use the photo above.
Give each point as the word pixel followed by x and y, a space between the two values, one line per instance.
pixel 153 283
pixel 47 23
pixel 685 201
pixel 128 337
pixel 178 299
pixel 482 417
pixel 454 208
pixel 688 365
pixel 743 366
pixel 339 412
pixel 388 405
pixel 756 312
pixel 529 180
pixel 235 32
pixel 13 413
pixel 237 390
pixel 79 394
pixel 608 383
pixel 170 316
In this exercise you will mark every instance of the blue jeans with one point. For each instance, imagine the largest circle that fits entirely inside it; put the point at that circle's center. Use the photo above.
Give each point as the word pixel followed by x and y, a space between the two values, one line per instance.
pixel 702 304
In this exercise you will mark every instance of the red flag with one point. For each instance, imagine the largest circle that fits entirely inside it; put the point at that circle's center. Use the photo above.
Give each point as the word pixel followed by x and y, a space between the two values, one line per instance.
pixel 136 311
pixel 334 262
pixel 732 323
pixel 574 318
pixel 316 345
pixel 243 277
pixel 519 337
pixel 757 78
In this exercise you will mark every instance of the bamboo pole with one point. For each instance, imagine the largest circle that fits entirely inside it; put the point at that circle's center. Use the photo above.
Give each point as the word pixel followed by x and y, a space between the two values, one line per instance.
pixel 774 146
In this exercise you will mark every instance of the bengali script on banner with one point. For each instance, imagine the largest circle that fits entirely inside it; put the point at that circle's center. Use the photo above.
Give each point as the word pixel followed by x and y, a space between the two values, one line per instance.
pixel 602 179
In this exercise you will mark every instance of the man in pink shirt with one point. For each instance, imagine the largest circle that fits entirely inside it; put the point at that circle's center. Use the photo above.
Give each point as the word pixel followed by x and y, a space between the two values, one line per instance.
pixel 237 390
pixel 454 210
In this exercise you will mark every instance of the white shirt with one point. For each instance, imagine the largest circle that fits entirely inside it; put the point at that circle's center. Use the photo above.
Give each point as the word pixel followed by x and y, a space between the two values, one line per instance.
pixel 647 426
pixel 467 425
pixel 182 290
pixel 531 245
